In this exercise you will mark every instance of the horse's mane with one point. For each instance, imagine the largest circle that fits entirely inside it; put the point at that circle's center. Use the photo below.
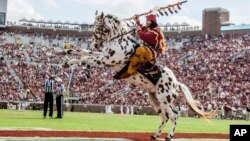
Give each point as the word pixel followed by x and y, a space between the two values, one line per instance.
pixel 113 18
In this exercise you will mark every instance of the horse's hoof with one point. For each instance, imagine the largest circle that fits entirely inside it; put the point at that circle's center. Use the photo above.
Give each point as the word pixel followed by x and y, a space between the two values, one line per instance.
pixel 84 63
pixel 167 139
pixel 69 51
pixel 88 67
pixel 65 52
pixel 65 65
pixel 152 138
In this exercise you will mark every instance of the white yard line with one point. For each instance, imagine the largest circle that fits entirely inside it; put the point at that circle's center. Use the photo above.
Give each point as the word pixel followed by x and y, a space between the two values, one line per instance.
pixel 25 128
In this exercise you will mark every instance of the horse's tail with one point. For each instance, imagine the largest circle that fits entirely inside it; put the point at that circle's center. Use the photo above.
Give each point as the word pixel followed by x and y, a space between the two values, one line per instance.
pixel 194 105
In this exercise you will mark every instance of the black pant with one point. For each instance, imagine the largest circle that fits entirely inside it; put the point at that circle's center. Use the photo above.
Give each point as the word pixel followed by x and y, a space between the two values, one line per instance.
pixel 59 106
pixel 48 100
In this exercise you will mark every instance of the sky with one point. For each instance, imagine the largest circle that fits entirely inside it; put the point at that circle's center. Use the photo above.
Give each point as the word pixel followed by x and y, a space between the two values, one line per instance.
pixel 84 10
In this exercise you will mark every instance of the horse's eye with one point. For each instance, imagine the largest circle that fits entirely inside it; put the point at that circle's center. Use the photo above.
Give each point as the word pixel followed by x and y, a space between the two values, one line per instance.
pixel 106 30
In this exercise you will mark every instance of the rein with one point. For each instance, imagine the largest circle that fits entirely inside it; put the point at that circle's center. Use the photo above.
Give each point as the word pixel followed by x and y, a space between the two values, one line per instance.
pixel 102 29
pixel 117 36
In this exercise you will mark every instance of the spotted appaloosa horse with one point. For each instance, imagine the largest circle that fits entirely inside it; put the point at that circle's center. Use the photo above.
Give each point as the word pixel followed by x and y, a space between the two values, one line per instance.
pixel 115 53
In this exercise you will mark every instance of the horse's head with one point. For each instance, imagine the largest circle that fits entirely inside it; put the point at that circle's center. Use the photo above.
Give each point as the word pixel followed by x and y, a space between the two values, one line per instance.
pixel 105 27
pixel 102 27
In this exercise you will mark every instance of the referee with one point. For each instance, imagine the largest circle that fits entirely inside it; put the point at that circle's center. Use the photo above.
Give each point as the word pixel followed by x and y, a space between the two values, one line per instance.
pixel 48 100
pixel 59 99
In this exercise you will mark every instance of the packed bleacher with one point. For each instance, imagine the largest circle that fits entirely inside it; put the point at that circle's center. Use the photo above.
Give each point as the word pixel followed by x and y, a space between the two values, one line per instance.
pixel 216 69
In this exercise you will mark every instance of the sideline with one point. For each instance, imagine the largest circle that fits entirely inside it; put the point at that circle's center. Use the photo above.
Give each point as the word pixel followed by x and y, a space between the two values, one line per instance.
pixel 60 139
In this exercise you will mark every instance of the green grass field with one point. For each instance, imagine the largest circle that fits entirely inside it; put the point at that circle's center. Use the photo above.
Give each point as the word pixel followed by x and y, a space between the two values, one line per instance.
pixel 72 121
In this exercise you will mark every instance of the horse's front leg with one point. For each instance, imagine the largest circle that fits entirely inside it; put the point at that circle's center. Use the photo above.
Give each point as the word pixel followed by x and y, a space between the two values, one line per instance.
pixel 90 60
pixel 82 52
pixel 94 60
pixel 72 62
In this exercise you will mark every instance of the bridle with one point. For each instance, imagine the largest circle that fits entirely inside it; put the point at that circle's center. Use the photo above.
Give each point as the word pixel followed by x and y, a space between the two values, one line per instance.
pixel 102 28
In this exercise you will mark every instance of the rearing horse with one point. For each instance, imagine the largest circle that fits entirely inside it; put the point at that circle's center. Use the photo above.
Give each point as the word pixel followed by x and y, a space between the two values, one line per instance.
pixel 115 53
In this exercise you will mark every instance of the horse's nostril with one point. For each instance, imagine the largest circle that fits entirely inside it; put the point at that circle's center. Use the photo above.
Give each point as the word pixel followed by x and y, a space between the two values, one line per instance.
pixel 96 45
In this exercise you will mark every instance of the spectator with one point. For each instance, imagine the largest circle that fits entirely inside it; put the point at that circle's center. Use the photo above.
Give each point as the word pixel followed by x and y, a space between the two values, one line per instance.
pixel 197 61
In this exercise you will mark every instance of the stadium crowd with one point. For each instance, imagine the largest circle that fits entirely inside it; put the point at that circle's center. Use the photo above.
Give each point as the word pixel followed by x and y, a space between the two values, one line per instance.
pixel 216 69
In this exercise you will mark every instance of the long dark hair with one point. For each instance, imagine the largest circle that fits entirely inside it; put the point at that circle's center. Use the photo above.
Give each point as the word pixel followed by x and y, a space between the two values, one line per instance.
pixel 153 24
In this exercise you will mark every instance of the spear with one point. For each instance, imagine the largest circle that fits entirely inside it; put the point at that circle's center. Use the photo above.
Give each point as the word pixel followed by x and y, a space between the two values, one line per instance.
pixel 159 9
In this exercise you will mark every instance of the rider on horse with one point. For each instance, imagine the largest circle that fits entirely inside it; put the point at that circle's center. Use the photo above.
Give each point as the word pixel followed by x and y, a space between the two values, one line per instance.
pixel 144 58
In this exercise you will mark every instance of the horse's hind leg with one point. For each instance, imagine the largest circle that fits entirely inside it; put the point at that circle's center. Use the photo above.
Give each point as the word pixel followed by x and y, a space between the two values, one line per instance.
pixel 173 115
pixel 169 113
pixel 156 105
pixel 164 118
pixel 154 102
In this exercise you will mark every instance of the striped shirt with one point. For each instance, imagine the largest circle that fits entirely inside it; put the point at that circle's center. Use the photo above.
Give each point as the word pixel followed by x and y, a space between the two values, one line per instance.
pixel 60 90
pixel 49 85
